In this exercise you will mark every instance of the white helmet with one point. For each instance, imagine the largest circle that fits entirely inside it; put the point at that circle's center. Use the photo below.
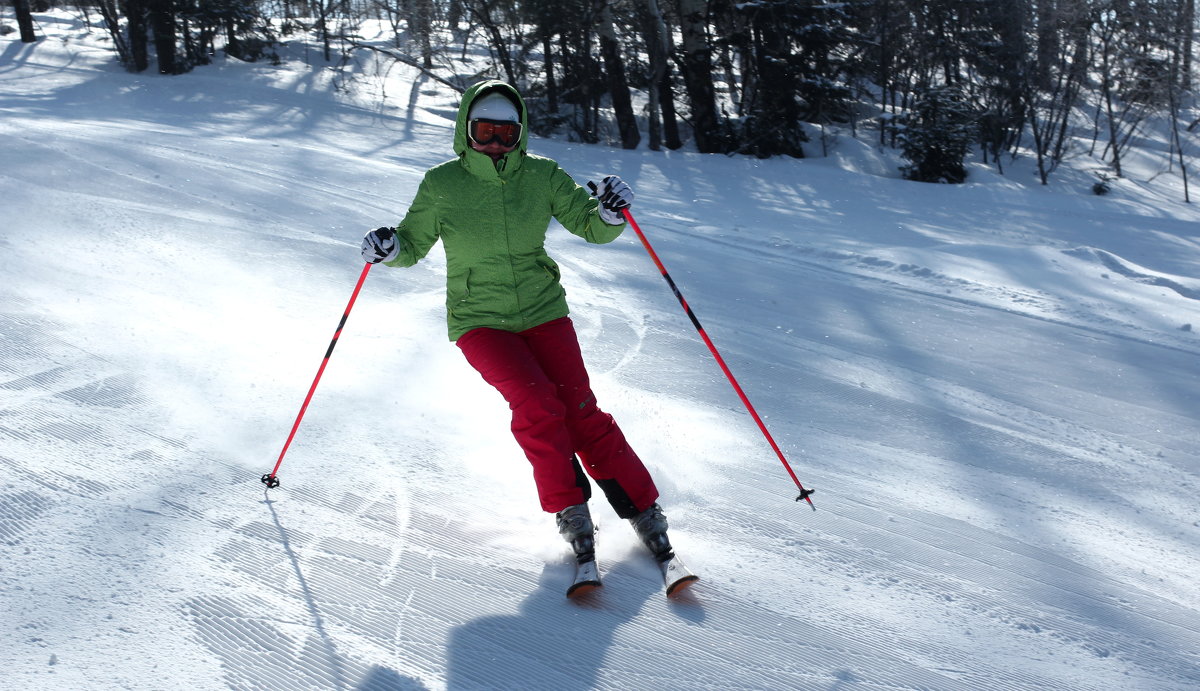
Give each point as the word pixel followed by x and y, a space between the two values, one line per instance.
pixel 493 106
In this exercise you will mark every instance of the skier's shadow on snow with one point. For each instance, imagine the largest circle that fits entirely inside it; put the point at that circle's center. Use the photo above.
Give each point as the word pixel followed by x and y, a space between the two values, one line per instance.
pixel 551 642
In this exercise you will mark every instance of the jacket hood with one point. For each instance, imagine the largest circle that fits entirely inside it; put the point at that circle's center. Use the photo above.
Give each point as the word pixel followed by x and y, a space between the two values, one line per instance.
pixel 473 160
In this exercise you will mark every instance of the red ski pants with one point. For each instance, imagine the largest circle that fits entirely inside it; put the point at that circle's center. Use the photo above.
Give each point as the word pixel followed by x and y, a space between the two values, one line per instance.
pixel 540 372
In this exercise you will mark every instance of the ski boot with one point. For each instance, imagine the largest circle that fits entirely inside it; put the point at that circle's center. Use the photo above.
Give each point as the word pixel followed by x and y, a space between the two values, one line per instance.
pixel 575 525
pixel 651 528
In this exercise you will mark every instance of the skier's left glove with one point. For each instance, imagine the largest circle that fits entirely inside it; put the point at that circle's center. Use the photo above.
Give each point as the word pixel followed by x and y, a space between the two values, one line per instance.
pixel 614 195
pixel 380 245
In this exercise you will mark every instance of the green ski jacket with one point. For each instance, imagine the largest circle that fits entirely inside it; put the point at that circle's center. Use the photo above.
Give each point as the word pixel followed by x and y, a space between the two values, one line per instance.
pixel 492 220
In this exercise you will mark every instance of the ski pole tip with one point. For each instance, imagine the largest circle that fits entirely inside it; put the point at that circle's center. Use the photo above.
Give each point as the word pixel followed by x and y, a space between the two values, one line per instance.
pixel 270 481
pixel 805 494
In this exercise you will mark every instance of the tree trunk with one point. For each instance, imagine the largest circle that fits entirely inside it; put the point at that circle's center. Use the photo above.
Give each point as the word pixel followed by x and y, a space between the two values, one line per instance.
pixel 578 68
pixel 233 44
pixel 1106 92
pixel 323 16
pixel 135 14
pixel 697 76
pixel 420 26
pixel 883 68
pixel 454 14
pixel 1049 39
pixel 162 21
pixel 666 100
pixel 25 21
pixel 112 24
pixel 1106 88
pixel 666 95
pixel 773 121
pixel 618 87
pixel 551 82
pixel 1174 90
pixel 653 33
pixel 1188 31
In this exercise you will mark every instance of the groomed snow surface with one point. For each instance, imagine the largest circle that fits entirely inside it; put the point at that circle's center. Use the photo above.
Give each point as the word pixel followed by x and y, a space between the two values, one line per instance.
pixel 994 388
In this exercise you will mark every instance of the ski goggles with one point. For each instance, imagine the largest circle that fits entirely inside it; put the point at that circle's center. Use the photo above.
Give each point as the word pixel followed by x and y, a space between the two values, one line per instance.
pixel 484 132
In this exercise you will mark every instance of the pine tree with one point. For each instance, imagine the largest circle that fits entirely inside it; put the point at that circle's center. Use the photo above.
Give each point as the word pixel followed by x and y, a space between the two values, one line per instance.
pixel 937 136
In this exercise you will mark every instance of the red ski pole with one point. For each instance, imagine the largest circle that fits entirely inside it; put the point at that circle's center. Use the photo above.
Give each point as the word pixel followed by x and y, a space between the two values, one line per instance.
pixel 270 479
pixel 805 494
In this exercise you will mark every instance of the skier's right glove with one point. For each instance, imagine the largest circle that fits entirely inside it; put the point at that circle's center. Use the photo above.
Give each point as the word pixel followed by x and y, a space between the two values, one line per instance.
pixel 380 245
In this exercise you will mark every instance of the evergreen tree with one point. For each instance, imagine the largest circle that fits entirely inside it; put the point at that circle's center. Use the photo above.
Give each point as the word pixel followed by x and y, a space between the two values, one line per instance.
pixel 771 125
pixel 937 136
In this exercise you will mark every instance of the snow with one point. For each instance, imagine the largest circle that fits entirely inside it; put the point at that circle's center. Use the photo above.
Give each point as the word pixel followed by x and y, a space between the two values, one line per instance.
pixel 992 386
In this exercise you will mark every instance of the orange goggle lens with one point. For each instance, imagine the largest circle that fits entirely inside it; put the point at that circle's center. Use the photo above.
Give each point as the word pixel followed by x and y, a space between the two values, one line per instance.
pixel 484 132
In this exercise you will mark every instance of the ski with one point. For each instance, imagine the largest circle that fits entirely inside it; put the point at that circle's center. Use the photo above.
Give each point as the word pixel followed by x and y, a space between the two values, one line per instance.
pixel 677 577
pixel 587 579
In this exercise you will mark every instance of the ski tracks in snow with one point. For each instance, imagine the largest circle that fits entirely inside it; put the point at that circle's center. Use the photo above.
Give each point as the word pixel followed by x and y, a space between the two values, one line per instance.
pixel 333 583
pixel 354 576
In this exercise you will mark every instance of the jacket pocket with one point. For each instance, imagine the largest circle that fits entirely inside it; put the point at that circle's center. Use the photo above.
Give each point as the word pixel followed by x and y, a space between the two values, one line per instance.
pixel 550 267
pixel 458 290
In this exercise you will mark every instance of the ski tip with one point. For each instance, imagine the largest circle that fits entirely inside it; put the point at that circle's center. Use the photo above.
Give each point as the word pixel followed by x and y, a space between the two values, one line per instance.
pixel 582 588
pixel 682 584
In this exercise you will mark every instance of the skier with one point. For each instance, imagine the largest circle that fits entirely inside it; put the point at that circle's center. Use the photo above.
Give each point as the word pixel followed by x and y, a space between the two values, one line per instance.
pixel 506 309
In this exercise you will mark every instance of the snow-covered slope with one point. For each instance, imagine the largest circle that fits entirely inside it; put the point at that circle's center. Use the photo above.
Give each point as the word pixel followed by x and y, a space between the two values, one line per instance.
pixel 992 386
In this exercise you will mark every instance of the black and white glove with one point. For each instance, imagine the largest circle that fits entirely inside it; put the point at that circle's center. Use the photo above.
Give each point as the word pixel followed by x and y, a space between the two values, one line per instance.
pixel 380 245
pixel 614 195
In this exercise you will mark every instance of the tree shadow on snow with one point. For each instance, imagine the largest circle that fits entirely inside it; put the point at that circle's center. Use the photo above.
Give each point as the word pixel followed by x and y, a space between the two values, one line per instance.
pixel 326 665
pixel 550 642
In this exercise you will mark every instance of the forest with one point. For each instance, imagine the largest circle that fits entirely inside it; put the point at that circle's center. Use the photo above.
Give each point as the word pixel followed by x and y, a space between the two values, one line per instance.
pixel 939 79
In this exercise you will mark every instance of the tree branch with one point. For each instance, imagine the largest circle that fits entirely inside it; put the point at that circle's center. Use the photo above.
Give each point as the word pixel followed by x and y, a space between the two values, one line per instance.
pixel 408 61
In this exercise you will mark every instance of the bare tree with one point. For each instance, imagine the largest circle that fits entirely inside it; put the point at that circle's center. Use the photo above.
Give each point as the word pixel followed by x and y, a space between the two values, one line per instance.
pixel 1177 144
pixel 490 16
